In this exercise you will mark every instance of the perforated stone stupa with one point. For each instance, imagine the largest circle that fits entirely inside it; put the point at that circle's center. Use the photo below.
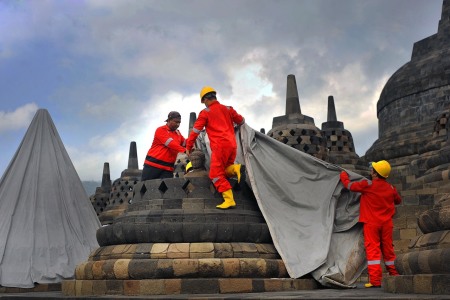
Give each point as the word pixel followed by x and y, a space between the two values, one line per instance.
pixel 100 198
pixel 295 129
pixel 122 188
pixel 171 239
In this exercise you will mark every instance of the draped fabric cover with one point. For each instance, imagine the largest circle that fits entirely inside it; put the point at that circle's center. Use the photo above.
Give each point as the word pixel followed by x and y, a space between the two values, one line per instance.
pixel 47 223
pixel 312 219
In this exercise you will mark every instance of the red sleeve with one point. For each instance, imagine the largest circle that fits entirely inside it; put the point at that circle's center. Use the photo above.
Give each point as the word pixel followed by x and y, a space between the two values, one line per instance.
pixel 356 186
pixel 196 129
pixel 167 140
pixel 397 198
pixel 237 118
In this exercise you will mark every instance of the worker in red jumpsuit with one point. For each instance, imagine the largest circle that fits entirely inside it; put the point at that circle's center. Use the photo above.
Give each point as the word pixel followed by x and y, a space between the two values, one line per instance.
pixel 377 207
pixel 167 143
pixel 219 122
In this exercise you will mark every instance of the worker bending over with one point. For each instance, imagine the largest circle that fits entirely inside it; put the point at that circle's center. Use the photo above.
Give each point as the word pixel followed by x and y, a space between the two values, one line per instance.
pixel 219 122
pixel 377 207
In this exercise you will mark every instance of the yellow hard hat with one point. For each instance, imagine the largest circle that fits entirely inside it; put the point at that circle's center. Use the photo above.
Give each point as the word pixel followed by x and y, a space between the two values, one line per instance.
pixel 382 167
pixel 205 90
pixel 188 166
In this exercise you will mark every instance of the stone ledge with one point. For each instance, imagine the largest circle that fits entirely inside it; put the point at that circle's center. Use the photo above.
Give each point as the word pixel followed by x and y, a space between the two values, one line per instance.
pixel 436 284
pixel 184 286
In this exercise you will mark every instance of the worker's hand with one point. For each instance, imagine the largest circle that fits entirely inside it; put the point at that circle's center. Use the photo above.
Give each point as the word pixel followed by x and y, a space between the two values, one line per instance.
pixel 187 152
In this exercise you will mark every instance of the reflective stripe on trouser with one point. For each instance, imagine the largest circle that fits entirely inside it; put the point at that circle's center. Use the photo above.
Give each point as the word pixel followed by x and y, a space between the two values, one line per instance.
pixel 377 241
pixel 220 158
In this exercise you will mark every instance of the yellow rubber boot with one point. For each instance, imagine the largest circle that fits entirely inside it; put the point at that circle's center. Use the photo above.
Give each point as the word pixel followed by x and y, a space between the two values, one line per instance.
pixel 228 200
pixel 369 285
pixel 234 170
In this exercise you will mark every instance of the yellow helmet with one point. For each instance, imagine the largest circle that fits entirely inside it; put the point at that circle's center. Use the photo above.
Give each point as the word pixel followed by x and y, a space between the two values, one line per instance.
pixel 205 90
pixel 382 167
pixel 188 166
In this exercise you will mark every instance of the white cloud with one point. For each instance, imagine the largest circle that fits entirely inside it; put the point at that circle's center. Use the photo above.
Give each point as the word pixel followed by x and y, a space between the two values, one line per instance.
pixel 20 118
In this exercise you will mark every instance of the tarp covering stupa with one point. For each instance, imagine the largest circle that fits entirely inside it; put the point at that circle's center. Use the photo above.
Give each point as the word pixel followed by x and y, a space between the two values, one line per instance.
pixel 312 219
pixel 47 224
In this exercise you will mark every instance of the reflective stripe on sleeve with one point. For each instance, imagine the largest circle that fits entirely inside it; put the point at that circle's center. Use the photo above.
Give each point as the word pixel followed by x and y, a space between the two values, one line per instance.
pixel 196 130
pixel 373 262
pixel 389 263
pixel 168 142
pixel 215 179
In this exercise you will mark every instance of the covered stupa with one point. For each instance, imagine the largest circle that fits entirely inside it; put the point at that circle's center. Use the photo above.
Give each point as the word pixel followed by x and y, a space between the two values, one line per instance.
pixel 47 224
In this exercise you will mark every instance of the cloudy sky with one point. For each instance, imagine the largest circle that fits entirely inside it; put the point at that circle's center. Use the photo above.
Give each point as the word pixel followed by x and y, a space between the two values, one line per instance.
pixel 109 71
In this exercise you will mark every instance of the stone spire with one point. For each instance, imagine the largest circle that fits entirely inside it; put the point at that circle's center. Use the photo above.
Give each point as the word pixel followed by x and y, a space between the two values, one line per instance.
pixel 106 179
pixel 331 116
pixel 192 119
pixel 132 157
pixel 292 100
pixel 133 168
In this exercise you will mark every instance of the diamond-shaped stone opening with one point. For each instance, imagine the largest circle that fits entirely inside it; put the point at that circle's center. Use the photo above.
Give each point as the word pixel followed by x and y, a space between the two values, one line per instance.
pixel 130 201
pixel 306 148
pixel 303 132
pixel 280 133
pixel 299 139
pixel 122 188
pixel 126 182
pixel 284 140
pixel 143 190
pixel 292 132
pixel 163 187
pixel 121 201
pixel 188 187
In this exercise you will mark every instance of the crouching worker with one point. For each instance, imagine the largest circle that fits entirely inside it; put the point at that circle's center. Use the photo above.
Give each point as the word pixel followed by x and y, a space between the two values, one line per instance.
pixel 219 122
pixel 377 207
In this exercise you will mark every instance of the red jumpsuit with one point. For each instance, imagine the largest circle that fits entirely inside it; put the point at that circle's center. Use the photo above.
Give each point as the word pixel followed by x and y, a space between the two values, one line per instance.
pixel 165 148
pixel 377 207
pixel 218 120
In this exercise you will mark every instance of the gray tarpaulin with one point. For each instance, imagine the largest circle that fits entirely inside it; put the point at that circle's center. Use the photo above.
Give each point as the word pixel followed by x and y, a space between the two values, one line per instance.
pixel 313 221
pixel 47 223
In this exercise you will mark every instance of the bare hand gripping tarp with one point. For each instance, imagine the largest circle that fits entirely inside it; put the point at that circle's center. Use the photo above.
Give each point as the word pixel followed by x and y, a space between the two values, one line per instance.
pixel 312 219
pixel 47 223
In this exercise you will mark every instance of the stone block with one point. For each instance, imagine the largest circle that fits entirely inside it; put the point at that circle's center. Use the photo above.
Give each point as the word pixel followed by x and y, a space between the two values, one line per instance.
pixel 159 250
pixel 441 284
pixel 131 287
pixel 114 287
pixel 97 270
pixel 423 284
pixel 79 271
pixel 235 285
pixel 403 284
pixel 231 267
pixel 142 268
pixel 201 250
pixel 273 285
pixel 172 286
pixel 223 250
pixel 210 267
pixel 99 287
pixel 152 287
pixel 185 267
pixel 121 269
pixel 164 268
pixel 178 250
pixel 200 286
pixel 67 288
pixel 108 269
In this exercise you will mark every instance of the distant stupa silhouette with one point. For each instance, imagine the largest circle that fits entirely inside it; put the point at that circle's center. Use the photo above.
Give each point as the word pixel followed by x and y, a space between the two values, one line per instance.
pixel 47 224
